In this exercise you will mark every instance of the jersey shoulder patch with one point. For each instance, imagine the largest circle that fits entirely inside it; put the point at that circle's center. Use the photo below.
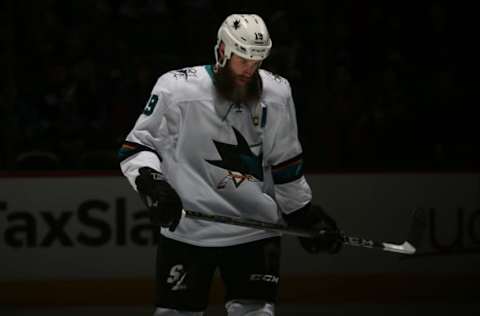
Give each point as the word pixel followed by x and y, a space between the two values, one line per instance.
pixel 274 77
pixel 184 84
pixel 276 88
pixel 186 74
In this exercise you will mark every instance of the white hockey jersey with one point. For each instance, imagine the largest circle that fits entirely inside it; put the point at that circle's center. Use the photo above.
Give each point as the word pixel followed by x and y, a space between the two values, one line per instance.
pixel 221 158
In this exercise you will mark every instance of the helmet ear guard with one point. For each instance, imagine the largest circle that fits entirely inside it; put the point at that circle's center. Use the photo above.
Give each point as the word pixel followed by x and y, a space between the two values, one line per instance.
pixel 246 35
pixel 222 53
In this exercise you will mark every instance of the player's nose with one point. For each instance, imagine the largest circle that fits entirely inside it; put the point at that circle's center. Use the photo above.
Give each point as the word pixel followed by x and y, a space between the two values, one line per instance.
pixel 250 68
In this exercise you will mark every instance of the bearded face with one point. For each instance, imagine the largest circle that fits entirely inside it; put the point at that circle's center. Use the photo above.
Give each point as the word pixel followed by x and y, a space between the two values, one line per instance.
pixel 239 81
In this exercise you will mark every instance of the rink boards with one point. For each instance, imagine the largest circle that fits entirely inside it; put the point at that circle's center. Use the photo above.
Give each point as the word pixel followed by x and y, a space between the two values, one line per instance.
pixel 77 232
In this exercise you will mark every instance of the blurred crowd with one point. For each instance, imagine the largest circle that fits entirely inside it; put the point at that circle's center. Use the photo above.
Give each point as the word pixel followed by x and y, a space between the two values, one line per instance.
pixel 377 85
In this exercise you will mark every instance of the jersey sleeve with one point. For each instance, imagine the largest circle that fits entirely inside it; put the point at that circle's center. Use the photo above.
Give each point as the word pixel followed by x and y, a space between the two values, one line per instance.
pixel 153 136
pixel 292 191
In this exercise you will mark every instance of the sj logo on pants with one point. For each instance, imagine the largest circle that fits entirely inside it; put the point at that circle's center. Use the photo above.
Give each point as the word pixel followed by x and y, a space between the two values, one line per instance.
pixel 176 277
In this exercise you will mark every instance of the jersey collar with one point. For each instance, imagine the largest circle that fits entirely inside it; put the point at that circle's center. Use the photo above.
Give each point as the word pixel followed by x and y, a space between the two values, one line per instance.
pixel 209 69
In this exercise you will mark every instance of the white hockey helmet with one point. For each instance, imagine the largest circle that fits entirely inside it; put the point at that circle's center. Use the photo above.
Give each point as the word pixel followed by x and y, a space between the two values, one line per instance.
pixel 246 35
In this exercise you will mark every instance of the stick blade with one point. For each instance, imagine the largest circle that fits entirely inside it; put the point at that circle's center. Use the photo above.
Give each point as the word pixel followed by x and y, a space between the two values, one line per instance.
pixel 406 248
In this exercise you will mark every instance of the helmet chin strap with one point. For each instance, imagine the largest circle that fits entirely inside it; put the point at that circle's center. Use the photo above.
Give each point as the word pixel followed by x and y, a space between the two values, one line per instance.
pixel 219 49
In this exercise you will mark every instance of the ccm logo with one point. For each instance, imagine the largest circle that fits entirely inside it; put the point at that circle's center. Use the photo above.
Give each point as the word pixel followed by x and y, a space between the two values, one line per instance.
pixel 264 277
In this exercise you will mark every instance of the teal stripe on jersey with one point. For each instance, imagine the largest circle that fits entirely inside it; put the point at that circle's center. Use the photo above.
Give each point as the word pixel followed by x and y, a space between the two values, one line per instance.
pixel 129 149
pixel 264 117
pixel 288 171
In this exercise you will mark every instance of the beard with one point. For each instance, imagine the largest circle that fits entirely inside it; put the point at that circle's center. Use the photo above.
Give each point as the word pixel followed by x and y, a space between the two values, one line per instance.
pixel 225 83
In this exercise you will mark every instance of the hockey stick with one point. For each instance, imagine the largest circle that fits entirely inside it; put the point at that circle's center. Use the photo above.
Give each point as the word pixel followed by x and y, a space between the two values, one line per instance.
pixel 405 248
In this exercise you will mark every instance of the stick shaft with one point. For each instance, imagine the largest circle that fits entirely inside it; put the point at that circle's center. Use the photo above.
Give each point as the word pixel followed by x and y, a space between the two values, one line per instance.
pixel 404 248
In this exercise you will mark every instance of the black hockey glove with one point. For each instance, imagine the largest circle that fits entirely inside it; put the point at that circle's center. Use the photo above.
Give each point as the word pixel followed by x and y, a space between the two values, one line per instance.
pixel 161 199
pixel 314 217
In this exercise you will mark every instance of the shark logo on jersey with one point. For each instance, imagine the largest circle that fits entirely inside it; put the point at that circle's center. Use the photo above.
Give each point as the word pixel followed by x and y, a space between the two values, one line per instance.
pixel 239 161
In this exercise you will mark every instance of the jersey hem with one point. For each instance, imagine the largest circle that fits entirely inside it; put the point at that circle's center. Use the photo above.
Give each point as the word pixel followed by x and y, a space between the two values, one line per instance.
pixel 222 243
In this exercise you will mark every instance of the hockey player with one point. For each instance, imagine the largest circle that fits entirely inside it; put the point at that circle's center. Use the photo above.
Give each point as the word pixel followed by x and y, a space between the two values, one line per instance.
pixel 222 139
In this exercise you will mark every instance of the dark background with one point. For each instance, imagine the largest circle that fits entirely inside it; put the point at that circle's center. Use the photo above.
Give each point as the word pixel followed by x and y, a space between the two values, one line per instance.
pixel 378 85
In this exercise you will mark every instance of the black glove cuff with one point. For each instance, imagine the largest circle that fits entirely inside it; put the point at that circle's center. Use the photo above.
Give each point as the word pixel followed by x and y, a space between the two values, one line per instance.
pixel 147 179
pixel 314 217
pixel 308 216
pixel 164 204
